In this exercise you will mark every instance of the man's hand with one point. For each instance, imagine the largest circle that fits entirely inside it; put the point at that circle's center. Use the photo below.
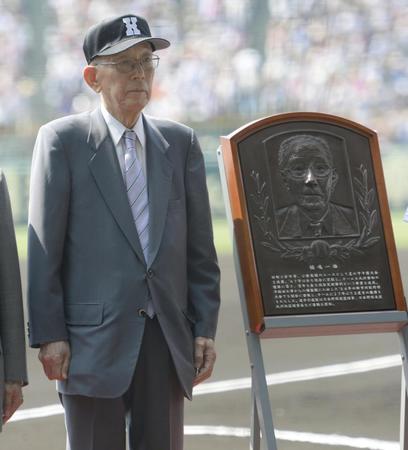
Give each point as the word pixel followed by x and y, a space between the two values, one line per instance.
pixel 13 398
pixel 55 358
pixel 204 358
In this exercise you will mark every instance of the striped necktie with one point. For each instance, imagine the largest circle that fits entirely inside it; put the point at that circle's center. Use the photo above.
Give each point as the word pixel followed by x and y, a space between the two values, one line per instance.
pixel 137 190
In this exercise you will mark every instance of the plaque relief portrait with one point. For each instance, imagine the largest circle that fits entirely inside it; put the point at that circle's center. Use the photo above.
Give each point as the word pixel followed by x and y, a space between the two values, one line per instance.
pixel 308 171
pixel 318 206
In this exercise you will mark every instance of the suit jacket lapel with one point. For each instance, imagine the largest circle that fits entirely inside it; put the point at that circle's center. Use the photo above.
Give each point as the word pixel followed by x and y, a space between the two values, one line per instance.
pixel 159 179
pixel 106 171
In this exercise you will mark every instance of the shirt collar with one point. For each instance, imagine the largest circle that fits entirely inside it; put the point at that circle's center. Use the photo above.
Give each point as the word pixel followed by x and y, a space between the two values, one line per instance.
pixel 117 128
pixel 139 130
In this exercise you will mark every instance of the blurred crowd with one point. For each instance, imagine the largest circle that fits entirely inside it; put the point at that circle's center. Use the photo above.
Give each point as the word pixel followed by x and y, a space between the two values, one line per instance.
pixel 229 58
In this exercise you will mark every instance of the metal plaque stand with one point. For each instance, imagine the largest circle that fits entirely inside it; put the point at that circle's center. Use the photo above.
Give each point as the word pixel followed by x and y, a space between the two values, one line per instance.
pixel 262 428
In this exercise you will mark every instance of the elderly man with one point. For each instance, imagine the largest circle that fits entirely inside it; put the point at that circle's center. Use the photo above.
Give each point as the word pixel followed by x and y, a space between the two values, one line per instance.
pixel 307 168
pixel 123 277
pixel 13 372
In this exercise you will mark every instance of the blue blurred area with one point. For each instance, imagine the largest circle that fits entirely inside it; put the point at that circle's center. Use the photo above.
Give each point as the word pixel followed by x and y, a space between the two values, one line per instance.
pixel 231 61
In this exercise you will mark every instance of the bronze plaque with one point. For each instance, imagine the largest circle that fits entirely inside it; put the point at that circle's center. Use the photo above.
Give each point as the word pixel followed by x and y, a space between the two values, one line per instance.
pixel 309 204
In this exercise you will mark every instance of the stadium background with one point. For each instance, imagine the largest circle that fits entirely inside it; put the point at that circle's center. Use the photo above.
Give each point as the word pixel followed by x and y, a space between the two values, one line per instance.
pixel 231 61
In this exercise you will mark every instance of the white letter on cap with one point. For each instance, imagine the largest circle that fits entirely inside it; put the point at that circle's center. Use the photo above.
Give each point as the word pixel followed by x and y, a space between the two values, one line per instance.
pixel 131 26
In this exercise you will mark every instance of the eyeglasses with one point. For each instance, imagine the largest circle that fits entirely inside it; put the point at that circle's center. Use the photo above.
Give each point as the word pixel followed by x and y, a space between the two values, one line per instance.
pixel 130 65
pixel 300 171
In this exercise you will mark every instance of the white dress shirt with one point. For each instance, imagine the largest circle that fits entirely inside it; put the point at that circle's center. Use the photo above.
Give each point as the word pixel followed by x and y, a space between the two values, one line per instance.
pixel 116 130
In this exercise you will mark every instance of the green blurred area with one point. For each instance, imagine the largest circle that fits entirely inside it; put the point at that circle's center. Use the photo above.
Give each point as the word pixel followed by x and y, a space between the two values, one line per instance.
pixel 400 230
pixel 21 237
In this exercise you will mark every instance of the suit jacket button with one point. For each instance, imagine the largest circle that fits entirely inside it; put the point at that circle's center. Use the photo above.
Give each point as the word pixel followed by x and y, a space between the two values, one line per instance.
pixel 150 273
pixel 142 312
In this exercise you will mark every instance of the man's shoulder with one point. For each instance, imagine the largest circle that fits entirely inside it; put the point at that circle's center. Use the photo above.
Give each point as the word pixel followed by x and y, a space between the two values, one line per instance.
pixel 69 123
pixel 168 126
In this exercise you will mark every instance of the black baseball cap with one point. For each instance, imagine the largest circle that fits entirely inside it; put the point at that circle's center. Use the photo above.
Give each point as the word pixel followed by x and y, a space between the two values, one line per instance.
pixel 117 34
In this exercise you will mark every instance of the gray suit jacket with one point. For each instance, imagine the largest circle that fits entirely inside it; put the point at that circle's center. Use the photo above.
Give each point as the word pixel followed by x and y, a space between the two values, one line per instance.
pixel 12 342
pixel 87 274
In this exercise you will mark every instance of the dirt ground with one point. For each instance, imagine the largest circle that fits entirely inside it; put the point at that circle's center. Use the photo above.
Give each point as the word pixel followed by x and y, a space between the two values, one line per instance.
pixel 365 405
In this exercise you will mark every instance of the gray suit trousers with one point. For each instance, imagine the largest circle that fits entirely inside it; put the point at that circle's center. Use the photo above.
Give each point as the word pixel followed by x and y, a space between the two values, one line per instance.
pixel 152 407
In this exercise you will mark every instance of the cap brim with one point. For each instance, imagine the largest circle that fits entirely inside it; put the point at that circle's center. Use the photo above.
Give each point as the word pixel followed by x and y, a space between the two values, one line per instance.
pixel 158 44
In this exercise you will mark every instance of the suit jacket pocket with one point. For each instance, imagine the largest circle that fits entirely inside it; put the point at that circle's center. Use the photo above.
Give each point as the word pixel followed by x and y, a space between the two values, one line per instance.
pixel 84 314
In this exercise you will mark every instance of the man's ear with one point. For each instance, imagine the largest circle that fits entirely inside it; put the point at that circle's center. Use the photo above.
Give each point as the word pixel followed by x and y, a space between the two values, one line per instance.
pixel 89 74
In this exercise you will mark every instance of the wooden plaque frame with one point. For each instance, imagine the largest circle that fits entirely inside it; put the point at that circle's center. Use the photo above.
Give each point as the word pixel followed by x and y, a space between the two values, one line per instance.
pixel 306 324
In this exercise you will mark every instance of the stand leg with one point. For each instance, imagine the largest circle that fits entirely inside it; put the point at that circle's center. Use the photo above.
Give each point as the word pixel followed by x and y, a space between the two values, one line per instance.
pixel 403 336
pixel 403 418
pixel 260 390
pixel 255 442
